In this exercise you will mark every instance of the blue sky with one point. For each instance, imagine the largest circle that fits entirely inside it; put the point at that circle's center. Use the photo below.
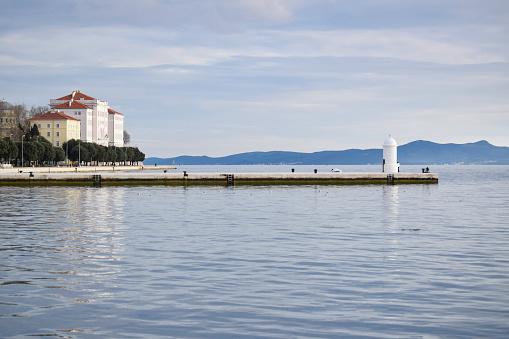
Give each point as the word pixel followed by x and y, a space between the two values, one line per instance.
pixel 218 77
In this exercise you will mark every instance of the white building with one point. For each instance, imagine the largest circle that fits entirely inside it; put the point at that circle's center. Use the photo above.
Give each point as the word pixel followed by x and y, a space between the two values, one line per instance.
pixel 99 124
pixel 115 128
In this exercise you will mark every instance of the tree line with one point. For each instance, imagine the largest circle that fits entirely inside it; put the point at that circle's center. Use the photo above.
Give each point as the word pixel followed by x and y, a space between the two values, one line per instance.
pixel 36 150
pixel 95 154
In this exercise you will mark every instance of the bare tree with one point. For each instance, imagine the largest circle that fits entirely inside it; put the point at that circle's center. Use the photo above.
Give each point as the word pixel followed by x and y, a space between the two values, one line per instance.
pixel 21 114
pixel 34 111
pixel 127 138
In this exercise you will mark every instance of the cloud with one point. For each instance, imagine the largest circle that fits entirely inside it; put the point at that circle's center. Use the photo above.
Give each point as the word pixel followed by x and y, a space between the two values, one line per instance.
pixel 222 16
pixel 146 47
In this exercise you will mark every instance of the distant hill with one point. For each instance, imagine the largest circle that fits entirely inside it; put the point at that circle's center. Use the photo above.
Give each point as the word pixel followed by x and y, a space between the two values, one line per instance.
pixel 418 152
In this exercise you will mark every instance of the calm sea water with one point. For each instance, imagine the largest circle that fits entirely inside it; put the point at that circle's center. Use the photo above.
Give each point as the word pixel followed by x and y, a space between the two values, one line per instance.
pixel 407 261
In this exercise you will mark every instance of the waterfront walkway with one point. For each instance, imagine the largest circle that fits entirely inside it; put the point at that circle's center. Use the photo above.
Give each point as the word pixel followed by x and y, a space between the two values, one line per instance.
pixel 82 169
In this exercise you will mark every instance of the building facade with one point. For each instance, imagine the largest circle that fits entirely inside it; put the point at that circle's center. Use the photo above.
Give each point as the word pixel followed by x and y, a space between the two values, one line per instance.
pixel 99 124
pixel 7 123
pixel 57 127
pixel 115 128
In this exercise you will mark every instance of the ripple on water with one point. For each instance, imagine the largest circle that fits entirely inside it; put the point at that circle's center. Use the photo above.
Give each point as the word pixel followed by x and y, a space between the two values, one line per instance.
pixel 302 261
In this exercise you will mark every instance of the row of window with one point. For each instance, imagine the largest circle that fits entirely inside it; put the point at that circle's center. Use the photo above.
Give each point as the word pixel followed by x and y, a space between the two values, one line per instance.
pixel 49 126
pixel 48 134
pixel 7 120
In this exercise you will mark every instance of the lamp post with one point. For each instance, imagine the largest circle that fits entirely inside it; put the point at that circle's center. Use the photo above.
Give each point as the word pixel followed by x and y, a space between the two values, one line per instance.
pixel 79 153
pixel 22 138
pixel 10 150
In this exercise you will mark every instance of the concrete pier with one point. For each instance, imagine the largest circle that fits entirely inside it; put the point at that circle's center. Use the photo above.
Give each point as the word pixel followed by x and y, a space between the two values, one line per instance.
pixel 172 178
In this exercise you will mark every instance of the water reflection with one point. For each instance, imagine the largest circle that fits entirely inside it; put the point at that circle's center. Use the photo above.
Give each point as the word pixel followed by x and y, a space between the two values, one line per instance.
pixel 99 206
pixel 391 205
pixel 58 245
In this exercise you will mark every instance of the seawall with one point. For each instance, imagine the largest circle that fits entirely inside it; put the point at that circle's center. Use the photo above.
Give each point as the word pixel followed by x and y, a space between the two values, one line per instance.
pixel 141 178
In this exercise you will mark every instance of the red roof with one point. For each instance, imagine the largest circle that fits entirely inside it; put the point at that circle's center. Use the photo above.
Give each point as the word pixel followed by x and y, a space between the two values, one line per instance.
pixel 77 96
pixel 71 104
pixel 113 112
pixel 53 116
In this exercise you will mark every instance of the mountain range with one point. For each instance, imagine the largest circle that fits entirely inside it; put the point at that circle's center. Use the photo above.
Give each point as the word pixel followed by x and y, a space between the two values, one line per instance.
pixel 418 152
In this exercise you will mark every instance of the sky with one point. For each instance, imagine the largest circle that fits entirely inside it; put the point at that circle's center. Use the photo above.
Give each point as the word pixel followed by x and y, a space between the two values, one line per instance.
pixel 220 77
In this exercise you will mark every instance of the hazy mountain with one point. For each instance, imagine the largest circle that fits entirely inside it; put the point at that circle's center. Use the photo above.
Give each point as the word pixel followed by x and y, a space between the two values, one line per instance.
pixel 418 152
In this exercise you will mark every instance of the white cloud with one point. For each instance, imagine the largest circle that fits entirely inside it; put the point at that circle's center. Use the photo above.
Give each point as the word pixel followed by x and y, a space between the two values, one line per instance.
pixel 135 47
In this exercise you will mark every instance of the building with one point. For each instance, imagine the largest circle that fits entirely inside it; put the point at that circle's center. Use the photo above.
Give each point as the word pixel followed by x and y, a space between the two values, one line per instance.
pixel 99 124
pixel 115 128
pixel 57 127
pixel 7 120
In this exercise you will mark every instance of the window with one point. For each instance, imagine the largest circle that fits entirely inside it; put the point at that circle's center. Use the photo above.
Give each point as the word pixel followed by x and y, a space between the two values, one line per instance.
pixel 58 134
pixel 1 120
pixel 79 113
pixel 39 125
pixel 48 134
pixel 47 125
pixel 58 143
pixel 58 126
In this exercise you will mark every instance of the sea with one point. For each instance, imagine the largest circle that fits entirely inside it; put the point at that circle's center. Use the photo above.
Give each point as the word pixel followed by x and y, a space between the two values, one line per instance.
pixel 299 261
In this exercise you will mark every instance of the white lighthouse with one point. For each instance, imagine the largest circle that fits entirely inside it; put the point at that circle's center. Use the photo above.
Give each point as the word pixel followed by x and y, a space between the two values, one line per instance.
pixel 390 156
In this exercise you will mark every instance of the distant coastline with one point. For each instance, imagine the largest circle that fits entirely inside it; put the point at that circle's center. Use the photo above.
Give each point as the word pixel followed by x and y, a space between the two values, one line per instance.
pixel 414 153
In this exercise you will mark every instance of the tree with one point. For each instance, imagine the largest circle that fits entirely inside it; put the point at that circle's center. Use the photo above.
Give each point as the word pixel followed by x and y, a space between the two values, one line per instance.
pixel 48 150
pixel 101 153
pixel 111 155
pixel 13 149
pixel 69 145
pixel 120 154
pixel 35 111
pixel 30 151
pixel 79 152
pixel 94 150
pixel 59 154
pixel 20 113
pixel 33 133
pixel 127 138
pixel 138 156
pixel 130 154
pixel 4 149
pixel 39 154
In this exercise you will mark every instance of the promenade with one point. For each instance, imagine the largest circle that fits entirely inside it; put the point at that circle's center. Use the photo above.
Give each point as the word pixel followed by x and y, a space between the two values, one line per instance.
pixel 82 169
